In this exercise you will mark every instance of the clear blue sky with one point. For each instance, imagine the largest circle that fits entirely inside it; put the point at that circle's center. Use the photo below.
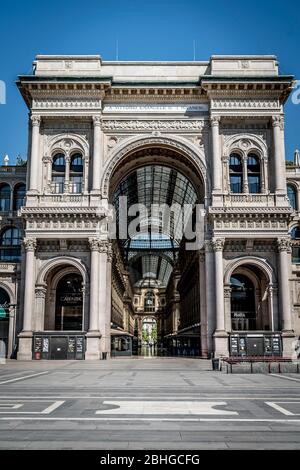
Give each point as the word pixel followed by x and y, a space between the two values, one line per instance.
pixel 146 30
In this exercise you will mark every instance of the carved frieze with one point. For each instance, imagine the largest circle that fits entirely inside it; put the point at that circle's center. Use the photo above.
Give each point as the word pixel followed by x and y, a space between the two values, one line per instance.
pixel 167 125
pixel 255 104
pixel 70 104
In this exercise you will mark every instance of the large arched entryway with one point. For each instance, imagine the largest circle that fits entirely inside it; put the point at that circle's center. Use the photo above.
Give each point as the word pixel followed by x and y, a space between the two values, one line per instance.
pixel 151 254
pixel 60 333
pixel 250 308
pixel 4 322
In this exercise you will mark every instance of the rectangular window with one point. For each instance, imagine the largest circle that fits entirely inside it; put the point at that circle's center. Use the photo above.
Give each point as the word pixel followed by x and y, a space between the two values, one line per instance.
pixel 254 184
pixel 58 184
pixel 236 184
pixel 296 254
pixel 76 184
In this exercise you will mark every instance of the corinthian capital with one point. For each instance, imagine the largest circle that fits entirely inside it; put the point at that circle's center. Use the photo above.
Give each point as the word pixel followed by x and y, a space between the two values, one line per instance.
pixel 218 244
pixel 97 120
pixel 284 244
pixel 35 120
pixel 214 121
pixel 29 244
pixel 276 121
pixel 104 246
pixel 109 253
pixel 94 244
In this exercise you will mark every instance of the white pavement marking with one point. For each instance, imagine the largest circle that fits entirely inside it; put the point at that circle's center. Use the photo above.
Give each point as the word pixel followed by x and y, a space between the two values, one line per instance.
pixel 197 420
pixel 282 409
pixel 285 377
pixel 165 408
pixel 11 406
pixel 128 397
pixel 52 407
pixel 23 378
pixel 279 408
pixel 46 411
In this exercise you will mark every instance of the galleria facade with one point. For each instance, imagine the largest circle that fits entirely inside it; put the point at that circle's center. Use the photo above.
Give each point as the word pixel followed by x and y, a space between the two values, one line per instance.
pixel 207 134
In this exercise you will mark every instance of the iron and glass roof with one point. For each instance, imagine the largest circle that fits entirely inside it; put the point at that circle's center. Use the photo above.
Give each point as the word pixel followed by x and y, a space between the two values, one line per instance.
pixel 152 253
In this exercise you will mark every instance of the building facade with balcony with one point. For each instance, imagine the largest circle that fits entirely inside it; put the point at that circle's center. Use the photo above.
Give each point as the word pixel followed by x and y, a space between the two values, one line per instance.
pixel 203 134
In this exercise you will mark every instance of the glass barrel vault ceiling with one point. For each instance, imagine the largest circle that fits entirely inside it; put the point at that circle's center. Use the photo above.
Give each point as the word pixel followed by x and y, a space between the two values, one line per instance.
pixel 151 255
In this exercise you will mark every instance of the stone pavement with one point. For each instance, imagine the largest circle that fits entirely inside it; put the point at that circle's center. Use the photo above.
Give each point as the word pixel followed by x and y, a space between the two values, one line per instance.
pixel 159 403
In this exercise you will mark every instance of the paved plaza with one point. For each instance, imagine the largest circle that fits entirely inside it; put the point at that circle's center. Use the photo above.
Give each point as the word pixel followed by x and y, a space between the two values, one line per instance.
pixel 158 403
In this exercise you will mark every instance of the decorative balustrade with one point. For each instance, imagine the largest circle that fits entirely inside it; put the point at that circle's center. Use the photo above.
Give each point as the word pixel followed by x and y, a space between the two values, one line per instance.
pixel 266 200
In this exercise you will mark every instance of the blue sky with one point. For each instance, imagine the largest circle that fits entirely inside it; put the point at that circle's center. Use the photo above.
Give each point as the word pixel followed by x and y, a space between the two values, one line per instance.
pixel 146 30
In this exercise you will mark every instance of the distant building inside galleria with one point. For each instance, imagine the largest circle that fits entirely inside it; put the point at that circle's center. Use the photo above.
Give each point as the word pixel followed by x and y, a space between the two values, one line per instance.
pixel 191 134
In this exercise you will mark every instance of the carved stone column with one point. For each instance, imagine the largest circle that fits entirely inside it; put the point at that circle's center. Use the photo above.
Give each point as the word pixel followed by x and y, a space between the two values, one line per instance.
pixel 283 245
pixel 203 312
pixel 216 155
pixel 104 293
pixel 245 174
pixel 97 157
pixel 67 185
pixel 220 335
pixel 279 163
pixel 108 296
pixel 209 295
pixel 93 335
pixel 25 337
pixel 34 156
pixel 40 296
pixel 227 307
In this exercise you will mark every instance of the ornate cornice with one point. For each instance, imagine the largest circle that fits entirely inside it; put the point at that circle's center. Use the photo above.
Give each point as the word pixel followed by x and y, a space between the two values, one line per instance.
pixel 241 103
pixel 66 103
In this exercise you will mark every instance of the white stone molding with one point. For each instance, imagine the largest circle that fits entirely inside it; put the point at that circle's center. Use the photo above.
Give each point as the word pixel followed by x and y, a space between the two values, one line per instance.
pixel 261 263
pixel 61 260
pixel 245 143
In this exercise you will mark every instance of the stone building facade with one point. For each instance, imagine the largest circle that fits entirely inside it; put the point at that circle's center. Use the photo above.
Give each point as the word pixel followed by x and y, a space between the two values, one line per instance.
pixel 208 133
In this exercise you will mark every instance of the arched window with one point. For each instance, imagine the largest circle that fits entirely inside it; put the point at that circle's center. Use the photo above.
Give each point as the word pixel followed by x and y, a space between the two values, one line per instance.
pixel 295 233
pixel 10 244
pixel 19 196
pixel 295 236
pixel 292 196
pixel 76 173
pixel 5 192
pixel 235 173
pixel 58 173
pixel 253 170
pixel 243 314
pixel 149 302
